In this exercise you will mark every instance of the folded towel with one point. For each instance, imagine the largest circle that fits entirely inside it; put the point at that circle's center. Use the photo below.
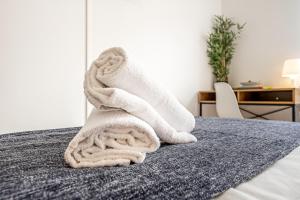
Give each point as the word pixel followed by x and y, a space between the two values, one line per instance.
pixel 112 82
pixel 111 138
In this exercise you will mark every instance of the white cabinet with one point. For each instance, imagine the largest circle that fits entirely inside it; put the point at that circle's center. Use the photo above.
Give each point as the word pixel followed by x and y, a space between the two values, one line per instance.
pixel 41 64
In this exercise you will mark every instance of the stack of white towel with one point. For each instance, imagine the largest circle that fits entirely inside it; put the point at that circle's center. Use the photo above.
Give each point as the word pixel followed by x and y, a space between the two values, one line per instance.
pixel 132 115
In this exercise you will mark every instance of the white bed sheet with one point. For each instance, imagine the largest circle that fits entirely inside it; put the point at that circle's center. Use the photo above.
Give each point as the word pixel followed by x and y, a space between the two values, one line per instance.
pixel 279 182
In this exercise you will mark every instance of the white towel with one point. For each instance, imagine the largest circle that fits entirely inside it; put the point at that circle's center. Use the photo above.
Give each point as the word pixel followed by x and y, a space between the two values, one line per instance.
pixel 112 82
pixel 111 138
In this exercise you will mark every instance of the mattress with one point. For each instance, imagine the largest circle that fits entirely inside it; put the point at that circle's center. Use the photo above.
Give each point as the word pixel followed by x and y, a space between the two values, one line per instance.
pixel 228 153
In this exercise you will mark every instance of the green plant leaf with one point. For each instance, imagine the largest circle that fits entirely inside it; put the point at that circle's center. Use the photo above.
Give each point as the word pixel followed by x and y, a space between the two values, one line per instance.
pixel 221 45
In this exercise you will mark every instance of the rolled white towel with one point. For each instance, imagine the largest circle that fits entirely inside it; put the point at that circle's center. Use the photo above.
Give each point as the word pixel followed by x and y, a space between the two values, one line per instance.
pixel 105 88
pixel 115 71
pixel 111 138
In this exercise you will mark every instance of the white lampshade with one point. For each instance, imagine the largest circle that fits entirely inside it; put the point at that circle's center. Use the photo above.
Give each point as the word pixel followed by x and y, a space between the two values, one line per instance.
pixel 291 68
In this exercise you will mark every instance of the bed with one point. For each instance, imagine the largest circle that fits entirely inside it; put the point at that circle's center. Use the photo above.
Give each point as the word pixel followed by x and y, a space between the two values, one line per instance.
pixel 231 160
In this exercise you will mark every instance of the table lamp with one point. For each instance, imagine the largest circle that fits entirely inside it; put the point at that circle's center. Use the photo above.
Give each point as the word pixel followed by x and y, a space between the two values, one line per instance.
pixel 291 69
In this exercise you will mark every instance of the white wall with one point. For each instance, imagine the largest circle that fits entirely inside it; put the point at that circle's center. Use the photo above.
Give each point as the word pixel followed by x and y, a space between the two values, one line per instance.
pixel 41 64
pixel 272 35
pixel 166 37
pixel 42 53
pixel 42 50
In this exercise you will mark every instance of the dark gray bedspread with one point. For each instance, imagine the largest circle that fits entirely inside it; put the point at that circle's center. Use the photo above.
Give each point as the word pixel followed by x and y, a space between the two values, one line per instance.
pixel 228 152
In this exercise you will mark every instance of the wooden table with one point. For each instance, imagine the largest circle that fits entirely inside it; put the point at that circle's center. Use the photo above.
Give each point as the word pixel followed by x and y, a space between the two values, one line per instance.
pixel 285 98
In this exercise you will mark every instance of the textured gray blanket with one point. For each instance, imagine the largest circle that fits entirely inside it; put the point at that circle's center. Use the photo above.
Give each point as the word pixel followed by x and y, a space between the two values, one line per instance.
pixel 228 152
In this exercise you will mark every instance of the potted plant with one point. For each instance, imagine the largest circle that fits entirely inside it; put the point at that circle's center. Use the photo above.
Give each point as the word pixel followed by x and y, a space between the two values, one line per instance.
pixel 221 46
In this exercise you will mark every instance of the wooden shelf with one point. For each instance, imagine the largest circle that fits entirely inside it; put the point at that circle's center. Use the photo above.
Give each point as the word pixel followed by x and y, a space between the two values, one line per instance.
pixel 276 96
pixel 208 101
pixel 267 102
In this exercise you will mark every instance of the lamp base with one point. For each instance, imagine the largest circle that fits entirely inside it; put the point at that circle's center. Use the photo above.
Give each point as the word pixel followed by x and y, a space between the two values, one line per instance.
pixel 296 82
